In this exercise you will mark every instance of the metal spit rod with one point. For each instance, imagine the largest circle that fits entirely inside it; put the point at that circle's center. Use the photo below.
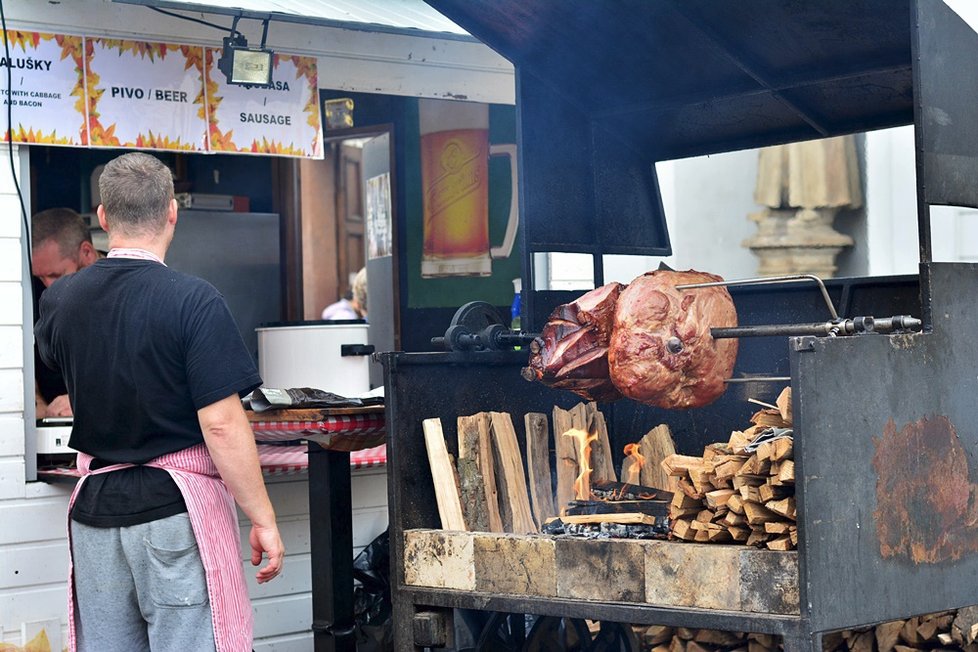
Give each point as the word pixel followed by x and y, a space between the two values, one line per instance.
pixel 831 328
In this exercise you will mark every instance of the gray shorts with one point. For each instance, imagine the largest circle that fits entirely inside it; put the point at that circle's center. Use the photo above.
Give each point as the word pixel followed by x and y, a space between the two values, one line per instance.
pixel 140 587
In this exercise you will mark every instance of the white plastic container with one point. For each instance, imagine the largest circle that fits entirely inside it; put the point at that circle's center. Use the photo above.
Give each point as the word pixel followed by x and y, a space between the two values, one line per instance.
pixel 310 354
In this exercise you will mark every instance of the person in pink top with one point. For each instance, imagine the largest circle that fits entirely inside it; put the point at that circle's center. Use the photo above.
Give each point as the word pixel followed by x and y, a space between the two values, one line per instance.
pixel 155 368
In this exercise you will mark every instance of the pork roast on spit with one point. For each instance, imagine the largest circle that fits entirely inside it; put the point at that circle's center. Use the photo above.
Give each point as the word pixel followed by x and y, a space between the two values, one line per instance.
pixel 661 350
pixel 572 351
pixel 647 341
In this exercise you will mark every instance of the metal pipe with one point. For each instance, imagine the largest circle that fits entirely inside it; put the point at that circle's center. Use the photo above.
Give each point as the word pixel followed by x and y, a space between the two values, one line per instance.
pixel 768 330
pixel 765 280
pixel 882 325
pixel 760 379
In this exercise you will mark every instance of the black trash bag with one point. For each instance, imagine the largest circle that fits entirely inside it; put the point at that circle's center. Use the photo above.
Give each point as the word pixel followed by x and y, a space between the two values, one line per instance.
pixel 372 596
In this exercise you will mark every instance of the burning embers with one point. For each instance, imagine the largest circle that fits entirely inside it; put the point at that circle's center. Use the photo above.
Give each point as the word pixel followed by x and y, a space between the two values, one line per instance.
pixel 602 506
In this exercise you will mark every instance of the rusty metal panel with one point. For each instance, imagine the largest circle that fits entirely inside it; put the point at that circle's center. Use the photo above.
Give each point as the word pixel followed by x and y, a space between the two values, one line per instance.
pixel 886 445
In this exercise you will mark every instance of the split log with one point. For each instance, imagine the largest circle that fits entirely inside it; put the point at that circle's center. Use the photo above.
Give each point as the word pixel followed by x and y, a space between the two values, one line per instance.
pixel 784 405
pixel 602 461
pixel 758 514
pixel 784 507
pixel 768 418
pixel 538 465
pixel 443 475
pixel 566 452
pixel 656 446
pixel 718 498
pixel 679 465
pixel 509 463
pixel 477 477
pixel 887 635
pixel 768 492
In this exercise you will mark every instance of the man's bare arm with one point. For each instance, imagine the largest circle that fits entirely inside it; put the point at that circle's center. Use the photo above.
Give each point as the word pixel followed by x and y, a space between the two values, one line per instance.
pixel 231 443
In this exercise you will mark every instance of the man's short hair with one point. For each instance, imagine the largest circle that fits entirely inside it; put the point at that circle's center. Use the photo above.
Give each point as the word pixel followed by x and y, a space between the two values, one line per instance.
pixel 62 225
pixel 136 190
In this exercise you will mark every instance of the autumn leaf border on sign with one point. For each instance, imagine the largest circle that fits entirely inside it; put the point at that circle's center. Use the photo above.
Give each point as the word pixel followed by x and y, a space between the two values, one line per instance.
pixel 306 67
pixel 71 46
pixel 219 141
pixel 275 147
pixel 105 136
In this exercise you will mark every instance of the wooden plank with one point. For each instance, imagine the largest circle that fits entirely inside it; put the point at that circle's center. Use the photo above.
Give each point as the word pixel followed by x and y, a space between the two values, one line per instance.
pixel 443 476
pixel 439 559
pixel 480 503
pixel 633 518
pixel 602 461
pixel 538 465
pixel 509 464
pixel 656 446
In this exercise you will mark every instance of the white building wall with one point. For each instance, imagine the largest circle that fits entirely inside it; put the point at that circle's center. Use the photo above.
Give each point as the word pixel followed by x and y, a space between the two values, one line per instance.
pixel 33 542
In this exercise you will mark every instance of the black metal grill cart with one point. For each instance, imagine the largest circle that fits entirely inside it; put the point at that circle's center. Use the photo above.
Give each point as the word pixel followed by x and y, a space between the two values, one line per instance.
pixel 885 424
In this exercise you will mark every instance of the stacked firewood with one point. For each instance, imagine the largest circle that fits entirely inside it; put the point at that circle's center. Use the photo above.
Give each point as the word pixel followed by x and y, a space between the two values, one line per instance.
pixel 947 630
pixel 742 490
pixel 658 638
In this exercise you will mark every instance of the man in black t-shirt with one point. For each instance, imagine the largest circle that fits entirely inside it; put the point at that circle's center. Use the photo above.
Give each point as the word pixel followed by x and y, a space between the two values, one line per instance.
pixel 154 367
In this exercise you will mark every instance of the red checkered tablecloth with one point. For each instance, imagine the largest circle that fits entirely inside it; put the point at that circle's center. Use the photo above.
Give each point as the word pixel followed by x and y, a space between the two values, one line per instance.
pixel 275 461
pixel 361 435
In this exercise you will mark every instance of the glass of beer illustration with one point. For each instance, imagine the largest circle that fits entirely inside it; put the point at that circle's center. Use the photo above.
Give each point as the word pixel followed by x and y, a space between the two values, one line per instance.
pixel 455 155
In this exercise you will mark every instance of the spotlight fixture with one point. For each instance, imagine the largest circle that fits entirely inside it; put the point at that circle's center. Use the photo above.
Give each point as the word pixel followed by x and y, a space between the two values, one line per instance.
pixel 242 65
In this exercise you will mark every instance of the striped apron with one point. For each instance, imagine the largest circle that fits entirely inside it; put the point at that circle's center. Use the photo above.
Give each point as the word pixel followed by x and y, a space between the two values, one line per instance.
pixel 215 523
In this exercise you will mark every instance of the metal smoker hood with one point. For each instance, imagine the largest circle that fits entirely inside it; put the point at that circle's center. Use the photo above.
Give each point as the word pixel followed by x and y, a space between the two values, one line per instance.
pixel 605 89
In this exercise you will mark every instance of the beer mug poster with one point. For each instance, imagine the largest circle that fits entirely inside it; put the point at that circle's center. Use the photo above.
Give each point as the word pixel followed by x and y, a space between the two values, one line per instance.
pixel 455 155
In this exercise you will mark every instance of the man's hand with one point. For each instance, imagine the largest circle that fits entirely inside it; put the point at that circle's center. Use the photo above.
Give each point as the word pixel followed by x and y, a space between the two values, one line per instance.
pixel 59 406
pixel 266 540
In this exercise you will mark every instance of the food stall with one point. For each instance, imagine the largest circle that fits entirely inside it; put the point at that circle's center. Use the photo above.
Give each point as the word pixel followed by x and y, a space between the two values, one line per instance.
pixel 33 543
pixel 602 96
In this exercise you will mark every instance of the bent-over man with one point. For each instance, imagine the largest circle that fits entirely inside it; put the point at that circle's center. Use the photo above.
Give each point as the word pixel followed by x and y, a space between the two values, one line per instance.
pixel 61 244
pixel 155 368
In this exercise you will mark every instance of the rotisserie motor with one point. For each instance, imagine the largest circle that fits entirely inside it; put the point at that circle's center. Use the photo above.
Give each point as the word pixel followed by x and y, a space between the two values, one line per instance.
pixel 657 349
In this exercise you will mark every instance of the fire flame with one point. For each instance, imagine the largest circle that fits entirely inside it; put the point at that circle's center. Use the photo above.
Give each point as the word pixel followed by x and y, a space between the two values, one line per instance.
pixel 583 439
pixel 633 475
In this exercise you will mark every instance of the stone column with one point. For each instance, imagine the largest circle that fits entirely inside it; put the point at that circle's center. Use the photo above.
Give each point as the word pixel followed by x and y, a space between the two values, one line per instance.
pixel 803 186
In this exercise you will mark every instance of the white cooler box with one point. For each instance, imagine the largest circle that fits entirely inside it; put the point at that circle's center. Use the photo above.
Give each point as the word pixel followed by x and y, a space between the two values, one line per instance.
pixel 332 356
